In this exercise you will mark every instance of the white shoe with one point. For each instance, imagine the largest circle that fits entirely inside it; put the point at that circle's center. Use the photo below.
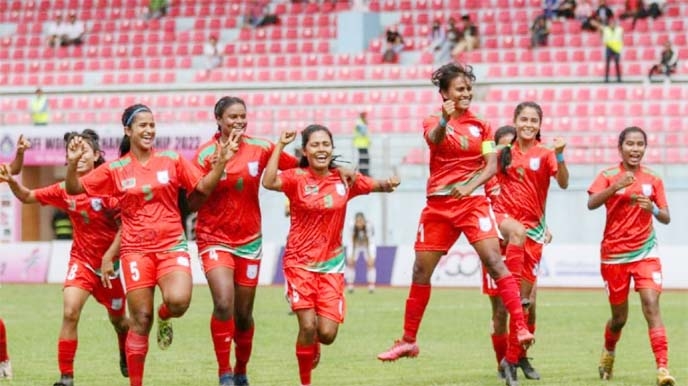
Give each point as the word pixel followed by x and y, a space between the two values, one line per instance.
pixel 6 370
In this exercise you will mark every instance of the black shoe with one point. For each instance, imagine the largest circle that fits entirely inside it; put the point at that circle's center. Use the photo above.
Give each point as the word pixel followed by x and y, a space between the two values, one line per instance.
pixel 510 376
pixel 528 369
pixel 65 380
pixel 123 368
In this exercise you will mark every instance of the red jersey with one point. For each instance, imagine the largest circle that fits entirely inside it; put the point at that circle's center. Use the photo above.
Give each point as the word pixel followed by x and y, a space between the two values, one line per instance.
pixel 148 196
pixel 492 189
pixel 236 198
pixel 459 157
pixel 524 188
pixel 318 209
pixel 628 233
pixel 94 221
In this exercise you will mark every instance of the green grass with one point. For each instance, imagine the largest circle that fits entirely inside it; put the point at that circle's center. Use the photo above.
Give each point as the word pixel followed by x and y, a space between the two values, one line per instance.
pixel 454 341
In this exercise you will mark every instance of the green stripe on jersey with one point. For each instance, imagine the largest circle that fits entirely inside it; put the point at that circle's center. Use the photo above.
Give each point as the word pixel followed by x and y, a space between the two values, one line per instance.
pixel 120 163
pixel 538 233
pixel 258 142
pixel 207 152
pixel 333 265
pixel 639 254
pixel 169 154
pixel 446 190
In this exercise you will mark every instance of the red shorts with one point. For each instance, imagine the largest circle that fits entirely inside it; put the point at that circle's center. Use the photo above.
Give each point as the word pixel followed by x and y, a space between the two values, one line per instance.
pixel 323 292
pixel 646 273
pixel 143 270
pixel 489 284
pixel 444 218
pixel 531 263
pixel 79 275
pixel 246 271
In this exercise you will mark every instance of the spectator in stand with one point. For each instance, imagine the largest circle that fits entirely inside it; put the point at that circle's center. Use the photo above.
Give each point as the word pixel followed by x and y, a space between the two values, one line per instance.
pixel 212 53
pixel 74 32
pixel 394 46
pixel 566 9
pixel 157 9
pixel 438 42
pixel 584 11
pixel 655 8
pixel 468 37
pixel 612 37
pixel 634 9
pixel 603 14
pixel 539 32
pixel 667 62
pixel 39 108
pixel 362 143
pixel 56 31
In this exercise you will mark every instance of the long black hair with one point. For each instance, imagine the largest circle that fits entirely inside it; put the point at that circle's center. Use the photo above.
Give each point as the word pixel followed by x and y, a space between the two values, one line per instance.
pixel 505 156
pixel 443 76
pixel 223 104
pixel 128 117
pixel 306 135
pixel 93 140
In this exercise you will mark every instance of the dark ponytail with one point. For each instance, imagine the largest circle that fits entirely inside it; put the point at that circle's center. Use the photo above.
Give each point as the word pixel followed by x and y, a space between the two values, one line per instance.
pixel 505 156
pixel 93 140
pixel 127 118
pixel 306 135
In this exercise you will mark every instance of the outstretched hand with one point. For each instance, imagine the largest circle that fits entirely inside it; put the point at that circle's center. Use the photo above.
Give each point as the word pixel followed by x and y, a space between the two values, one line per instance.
pixel 391 184
pixel 22 144
pixel 228 148
pixel 75 149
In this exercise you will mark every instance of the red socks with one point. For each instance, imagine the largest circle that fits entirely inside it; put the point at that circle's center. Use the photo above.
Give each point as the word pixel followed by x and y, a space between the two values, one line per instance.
pixel 3 343
pixel 419 296
pixel 136 348
pixel 221 332
pixel 610 338
pixel 164 312
pixel 305 355
pixel 243 342
pixel 499 343
pixel 660 348
pixel 509 292
pixel 515 255
pixel 66 350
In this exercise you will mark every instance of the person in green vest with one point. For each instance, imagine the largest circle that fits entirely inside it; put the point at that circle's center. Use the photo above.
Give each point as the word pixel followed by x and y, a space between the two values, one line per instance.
pixel 612 36
pixel 62 226
pixel 362 142
pixel 39 108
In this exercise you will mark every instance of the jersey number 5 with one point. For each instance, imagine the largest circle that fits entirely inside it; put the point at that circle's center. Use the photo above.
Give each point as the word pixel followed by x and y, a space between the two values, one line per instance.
pixel 135 274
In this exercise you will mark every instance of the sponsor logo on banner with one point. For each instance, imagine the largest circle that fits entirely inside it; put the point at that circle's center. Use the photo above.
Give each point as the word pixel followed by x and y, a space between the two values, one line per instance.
pixel 24 262
pixel 253 168
pixel 534 163
pixel 97 204
pixel 647 190
pixel 163 177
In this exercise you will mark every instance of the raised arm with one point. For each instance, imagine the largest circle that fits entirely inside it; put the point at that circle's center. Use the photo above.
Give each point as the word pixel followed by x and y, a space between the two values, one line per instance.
pixel 389 185
pixel 270 179
pixel 562 171
pixel 598 199
pixel 18 162
pixel 75 150
pixel 226 151
pixel 20 191
pixel 437 134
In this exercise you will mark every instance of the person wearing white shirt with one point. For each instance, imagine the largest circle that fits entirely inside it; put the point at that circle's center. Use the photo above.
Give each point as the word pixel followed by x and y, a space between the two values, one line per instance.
pixel 212 53
pixel 74 32
pixel 56 31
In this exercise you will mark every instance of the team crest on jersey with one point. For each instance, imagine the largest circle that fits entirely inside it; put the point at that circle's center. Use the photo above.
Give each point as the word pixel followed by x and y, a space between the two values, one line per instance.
pixel 163 177
pixel 485 224
pixel 341 189
pixel 310 189
pixel 129 183
pixel 474 130
pixel 534 163
pixel 647 190
pixel 97 204
pixel 253 168
pixel 252 271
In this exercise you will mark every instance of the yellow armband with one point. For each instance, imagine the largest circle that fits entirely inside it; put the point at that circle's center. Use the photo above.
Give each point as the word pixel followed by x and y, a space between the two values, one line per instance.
pixel 488 147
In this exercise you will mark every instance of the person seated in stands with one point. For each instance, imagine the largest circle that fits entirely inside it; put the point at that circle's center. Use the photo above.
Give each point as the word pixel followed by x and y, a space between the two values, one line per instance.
pixel 74 32
pixel 566 9
pixel 56 31
pixel 667 62
pixel 157 9
pixel 394 46
pixel 634 9
pixel 212 53
pixel 539 32
pixel 655 8
pixel 583 10
pixel 439 46
pixel 468 37
pixel 599 18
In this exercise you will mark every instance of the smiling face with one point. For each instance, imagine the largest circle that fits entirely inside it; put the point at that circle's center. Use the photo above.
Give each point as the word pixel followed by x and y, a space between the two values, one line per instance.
pixel 318 150
pixel 141 131
pixel 527 124
pixel 632 149
pixel 233 119
pixel 460 91
pixel 87 161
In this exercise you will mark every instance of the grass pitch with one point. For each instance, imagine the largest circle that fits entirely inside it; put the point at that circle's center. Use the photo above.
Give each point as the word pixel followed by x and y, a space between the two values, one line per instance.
pixel 454 341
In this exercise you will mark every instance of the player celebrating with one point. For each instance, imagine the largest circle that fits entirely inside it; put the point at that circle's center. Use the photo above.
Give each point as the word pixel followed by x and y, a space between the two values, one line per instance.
pixel 314 257
pixel 633 195
pixel 230 251
pixel 524 176
pixel 362 242
pixel 462 159
pixel 153 248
